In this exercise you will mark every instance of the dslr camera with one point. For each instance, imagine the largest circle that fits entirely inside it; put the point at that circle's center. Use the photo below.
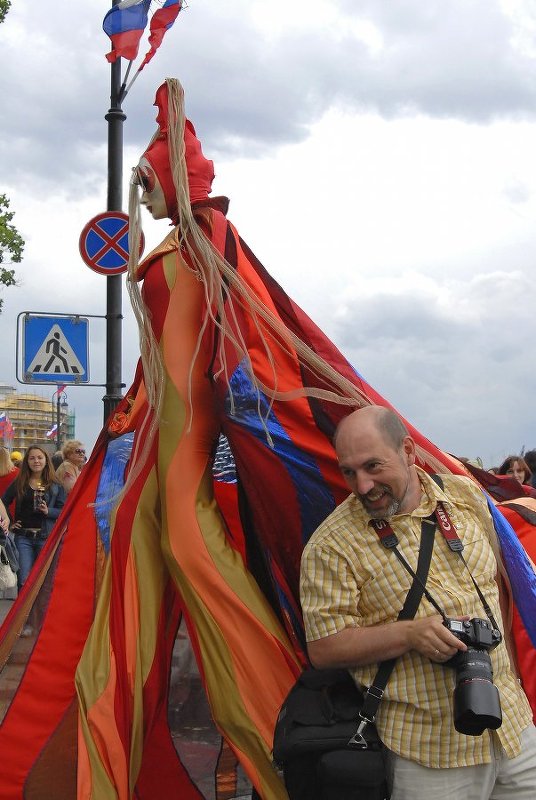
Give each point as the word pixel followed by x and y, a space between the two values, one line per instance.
pixel 476 700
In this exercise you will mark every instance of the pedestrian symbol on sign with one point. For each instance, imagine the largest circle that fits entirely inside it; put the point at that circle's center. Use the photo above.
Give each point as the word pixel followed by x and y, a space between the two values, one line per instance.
pixel 56 356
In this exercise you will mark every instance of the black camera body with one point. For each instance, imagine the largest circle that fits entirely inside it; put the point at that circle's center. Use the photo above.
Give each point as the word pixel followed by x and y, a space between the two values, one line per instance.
pixel 476 632
pixel 476 700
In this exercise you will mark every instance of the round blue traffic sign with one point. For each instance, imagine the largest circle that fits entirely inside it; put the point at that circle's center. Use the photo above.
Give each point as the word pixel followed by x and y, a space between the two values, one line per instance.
pixel 104 243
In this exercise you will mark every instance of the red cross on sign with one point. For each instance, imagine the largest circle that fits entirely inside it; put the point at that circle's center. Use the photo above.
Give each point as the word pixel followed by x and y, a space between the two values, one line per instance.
pixel 104 243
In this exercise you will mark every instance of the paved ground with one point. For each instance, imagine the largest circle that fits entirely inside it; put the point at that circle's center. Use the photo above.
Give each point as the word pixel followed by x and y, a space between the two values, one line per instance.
pixel 5 605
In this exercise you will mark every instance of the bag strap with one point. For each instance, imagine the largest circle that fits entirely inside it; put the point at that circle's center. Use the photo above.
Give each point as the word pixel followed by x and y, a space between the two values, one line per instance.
pixel 388 539
pixel 375 691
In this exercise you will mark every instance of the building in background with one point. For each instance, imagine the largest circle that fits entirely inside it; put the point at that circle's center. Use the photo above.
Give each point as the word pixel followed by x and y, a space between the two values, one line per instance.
pixel 33 420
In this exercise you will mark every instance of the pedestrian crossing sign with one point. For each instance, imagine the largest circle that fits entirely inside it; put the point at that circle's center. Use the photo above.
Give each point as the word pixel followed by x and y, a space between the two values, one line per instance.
pixel 55 349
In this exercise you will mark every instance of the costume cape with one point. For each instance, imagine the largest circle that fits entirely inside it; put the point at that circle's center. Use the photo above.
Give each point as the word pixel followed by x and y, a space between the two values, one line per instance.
pixel 91 703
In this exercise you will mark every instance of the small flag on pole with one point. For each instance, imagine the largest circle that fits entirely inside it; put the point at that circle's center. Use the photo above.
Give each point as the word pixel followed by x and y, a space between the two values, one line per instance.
pixel 9 432
pixel 52 432
pixel 124 24
pixel 161 21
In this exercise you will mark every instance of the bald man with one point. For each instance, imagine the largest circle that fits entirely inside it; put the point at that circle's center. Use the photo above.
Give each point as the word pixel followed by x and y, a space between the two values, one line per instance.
pixel 352 589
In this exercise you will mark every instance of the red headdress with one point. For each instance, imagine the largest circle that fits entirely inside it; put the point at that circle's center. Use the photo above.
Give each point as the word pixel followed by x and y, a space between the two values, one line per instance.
pixel 200 169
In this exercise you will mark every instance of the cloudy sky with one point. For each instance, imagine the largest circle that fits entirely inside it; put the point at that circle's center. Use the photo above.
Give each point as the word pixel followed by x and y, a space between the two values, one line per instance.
pixel 380 160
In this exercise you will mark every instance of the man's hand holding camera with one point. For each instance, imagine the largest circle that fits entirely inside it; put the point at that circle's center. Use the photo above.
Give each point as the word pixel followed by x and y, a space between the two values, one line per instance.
pixel 430 637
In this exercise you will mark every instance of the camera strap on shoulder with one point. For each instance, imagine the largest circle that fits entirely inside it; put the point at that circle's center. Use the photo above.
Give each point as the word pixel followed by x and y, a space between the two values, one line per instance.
pixel 389 539
pixel 374 693
pixel 448 530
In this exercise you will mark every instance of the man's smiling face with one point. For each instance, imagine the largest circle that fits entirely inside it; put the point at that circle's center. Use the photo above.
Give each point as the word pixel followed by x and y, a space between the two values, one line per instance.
pixel 377 472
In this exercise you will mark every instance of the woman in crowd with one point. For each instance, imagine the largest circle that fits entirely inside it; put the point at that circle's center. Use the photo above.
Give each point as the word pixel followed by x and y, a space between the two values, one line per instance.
pixel 8 471
pixel 39 499
pixel 74 458
pixel 517 468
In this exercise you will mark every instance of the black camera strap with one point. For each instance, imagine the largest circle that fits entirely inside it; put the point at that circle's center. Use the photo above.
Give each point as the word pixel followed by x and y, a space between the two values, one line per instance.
pixel 389 540
pixel 456 545
pixel 483 600
pixel 374 693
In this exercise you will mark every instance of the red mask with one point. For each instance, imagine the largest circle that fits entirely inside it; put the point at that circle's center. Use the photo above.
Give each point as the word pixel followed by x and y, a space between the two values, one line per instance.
pixel 200 169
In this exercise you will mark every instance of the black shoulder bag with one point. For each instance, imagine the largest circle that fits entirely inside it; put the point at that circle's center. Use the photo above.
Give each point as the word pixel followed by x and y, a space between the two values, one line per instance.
pixel 325 740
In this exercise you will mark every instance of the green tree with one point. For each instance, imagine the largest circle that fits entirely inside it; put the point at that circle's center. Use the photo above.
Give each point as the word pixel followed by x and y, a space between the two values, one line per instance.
pixel 11 244
pixel 4 8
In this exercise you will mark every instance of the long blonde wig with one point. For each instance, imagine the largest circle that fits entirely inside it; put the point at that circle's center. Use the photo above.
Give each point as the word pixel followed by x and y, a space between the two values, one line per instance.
pixel 225 290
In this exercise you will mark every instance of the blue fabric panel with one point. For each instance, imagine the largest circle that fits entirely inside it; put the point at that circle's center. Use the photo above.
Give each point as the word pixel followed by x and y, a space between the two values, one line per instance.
pixel 519 570
pixel 314 496
pixel 112 479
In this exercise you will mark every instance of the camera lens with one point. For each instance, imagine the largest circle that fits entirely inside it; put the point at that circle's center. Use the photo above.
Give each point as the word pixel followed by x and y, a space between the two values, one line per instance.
pixel 476 700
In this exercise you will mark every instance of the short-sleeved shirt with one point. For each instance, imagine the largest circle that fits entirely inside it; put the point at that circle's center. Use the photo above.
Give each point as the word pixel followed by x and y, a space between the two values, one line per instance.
pixel 350 580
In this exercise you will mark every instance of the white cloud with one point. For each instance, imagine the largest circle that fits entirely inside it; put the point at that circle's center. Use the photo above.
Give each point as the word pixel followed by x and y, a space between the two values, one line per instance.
pixel 380 163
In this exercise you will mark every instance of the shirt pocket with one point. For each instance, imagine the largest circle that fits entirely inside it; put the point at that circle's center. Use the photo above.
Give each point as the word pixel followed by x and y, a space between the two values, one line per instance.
pixel 479 556
pixel 383 592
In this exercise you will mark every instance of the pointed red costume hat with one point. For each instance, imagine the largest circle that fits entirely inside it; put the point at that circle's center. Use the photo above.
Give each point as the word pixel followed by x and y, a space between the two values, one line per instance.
pixel 200 169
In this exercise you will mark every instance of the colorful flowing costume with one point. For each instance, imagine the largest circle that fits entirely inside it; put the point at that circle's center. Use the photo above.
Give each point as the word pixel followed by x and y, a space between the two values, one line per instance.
pixel 238 358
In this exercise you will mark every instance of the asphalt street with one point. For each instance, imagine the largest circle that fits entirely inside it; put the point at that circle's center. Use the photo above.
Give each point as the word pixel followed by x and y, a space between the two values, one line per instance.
pixel 5 605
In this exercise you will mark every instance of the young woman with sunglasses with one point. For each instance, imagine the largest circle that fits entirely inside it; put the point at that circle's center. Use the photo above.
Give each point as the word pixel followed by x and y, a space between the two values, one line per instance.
pixel 74 458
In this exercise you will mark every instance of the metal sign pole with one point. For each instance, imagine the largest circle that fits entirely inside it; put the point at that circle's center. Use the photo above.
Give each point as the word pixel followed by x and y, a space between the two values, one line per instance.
pixel 58 421
pixel 115 118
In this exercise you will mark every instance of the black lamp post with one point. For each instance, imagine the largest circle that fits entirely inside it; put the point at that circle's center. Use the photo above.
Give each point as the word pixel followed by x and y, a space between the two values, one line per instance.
pixel 115 118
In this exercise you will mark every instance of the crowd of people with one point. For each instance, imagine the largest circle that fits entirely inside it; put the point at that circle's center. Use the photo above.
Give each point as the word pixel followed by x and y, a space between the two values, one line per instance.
pixel 522 468
pixel 33 490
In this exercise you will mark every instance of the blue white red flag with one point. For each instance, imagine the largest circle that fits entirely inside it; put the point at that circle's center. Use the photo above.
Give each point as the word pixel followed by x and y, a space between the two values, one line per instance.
pixel 161 21
pixel 52 432
pixel 9 430
pixel 124 24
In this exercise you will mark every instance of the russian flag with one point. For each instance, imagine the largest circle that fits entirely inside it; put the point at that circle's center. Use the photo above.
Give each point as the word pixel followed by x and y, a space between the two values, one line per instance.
pixel 124 24
pixel 52 432
pixel 161 21
pixel 6 426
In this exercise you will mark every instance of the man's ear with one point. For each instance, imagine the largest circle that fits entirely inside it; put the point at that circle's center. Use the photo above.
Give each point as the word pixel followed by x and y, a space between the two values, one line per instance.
pixel 408 446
